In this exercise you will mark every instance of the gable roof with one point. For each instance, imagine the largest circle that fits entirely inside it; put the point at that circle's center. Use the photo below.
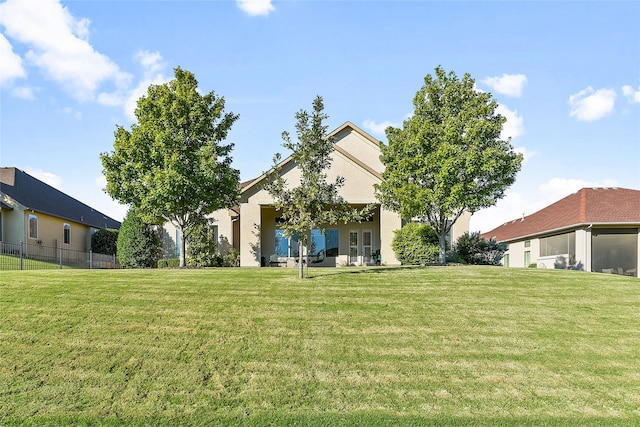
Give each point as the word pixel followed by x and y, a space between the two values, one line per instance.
pixel 40 197
pixel 615 206
pixel 346 126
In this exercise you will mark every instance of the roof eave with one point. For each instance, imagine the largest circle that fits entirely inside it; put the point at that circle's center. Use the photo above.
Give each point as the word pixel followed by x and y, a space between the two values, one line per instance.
pixel 576 226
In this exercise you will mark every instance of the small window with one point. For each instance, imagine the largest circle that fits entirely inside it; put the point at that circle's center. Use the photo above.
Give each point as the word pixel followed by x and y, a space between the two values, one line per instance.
pixel 67 233
pixel 527 243
pixel 33 226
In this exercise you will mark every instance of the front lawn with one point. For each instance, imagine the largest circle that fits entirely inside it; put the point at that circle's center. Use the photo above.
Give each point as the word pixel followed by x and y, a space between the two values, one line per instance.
pixel 380 346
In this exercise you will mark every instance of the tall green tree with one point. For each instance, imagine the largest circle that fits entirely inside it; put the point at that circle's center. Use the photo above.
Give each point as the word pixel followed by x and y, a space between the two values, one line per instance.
pixel 314 203
pixel 448 157
pixel 173 165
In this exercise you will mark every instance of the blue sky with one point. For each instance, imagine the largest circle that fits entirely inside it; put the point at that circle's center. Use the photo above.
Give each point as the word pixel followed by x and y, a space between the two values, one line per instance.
pixel 566 75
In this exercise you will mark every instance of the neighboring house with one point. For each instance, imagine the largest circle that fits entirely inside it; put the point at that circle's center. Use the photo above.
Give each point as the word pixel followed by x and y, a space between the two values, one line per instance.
pixel 37 214
pixel 252 228
pixel 594 229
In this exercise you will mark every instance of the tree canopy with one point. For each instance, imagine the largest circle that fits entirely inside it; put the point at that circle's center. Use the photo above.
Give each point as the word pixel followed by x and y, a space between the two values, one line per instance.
pixel 173 165
pixel 314 202
pixel 448 157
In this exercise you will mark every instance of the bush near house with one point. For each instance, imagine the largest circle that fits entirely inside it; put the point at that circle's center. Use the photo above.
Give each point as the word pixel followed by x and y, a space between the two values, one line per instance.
pixel 105 241
pixel 139 244
pixel 415 244
pixel 476 250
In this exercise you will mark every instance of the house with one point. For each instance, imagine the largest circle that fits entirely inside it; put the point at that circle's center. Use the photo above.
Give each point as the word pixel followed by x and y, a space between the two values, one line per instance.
pixel 594 229
pixel 252 227
pixel 37 214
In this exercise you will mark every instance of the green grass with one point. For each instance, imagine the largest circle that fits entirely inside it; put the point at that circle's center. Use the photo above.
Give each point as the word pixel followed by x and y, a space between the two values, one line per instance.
pixel 12 262
pixel 428 346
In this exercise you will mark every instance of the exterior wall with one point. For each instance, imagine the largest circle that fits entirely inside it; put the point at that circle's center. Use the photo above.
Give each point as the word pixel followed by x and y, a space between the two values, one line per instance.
pixel 389 222
pixel 250 231
pixel 460 227
pixel 583 249
pixel 51 232
pixel 361 148
pixel 225 223
pixel 13 226
pixel 224 238
pixel 517 257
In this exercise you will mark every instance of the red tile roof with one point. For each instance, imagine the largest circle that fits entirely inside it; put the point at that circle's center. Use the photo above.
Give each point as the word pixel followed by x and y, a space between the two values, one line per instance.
pixel 587 206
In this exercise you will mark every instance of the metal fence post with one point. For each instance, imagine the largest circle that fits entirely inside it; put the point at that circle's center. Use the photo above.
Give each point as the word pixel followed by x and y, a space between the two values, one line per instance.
pixel 90 260
pixel 60 257
pixel 21 263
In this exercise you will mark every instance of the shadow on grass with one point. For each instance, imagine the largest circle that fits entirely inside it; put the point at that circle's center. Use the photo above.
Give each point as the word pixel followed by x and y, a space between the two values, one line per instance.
pixel 361 270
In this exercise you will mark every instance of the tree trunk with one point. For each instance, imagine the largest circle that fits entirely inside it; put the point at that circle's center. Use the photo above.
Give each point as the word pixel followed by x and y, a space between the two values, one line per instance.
pixel 300 262
pixel 183 249
pixel 443 248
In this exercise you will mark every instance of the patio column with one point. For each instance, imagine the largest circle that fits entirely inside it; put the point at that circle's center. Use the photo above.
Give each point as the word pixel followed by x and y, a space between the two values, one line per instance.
pixel 250 225
pixel 389 221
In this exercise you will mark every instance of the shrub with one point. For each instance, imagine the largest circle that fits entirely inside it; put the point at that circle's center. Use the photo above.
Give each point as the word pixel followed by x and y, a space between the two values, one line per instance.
pixel 169 263
pixel 231 259
pixel 105 241
pixel 473 249
pixel 415 244
pixel 139 244
pixel 201 246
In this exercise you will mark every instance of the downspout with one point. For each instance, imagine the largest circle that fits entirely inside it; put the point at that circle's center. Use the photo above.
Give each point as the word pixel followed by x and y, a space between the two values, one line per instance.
pixel 587 246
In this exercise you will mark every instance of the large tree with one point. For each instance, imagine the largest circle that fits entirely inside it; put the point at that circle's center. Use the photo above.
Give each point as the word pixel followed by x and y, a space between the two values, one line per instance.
pixel 314 202
pixel 173 165
pixel 448 157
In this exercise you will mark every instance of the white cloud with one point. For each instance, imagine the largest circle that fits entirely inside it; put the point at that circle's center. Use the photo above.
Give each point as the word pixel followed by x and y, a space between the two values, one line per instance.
pixel 526 154
pixel 378 128
pixel 557 188
pixel 23 92
pixel 631 94
pixel 256 7
pixel 514 126
pixel 58 44
pixel 47 177
pixel 105 204
pixel 153 66
pixel 507 84
pixel 11 66
pixel 589 104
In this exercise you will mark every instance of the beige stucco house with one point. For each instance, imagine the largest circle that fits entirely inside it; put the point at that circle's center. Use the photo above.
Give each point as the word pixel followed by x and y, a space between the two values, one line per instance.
pixel 594 229
pixel 252 227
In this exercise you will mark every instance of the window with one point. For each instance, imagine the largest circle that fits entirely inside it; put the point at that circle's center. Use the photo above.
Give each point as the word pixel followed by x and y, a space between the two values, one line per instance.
pixel 33 226
pixel 66 233
pixel 615 250
pixel 562 244
pixel 506 260
pixel 527 258
pixel 286 247
pixel 324 243
pixel 321 243
pixel 527 243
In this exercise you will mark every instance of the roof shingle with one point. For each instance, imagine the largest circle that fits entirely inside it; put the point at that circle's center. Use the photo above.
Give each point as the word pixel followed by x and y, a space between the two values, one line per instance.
pixel 587 206
pixel 41 197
